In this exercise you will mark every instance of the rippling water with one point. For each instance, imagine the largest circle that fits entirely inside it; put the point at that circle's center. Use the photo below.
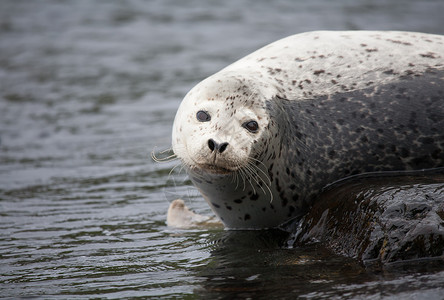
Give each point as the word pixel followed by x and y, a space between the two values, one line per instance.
pixel 88 89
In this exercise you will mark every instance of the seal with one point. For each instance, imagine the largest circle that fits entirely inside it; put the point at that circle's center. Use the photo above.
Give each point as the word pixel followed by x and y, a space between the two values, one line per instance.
pixel 263 136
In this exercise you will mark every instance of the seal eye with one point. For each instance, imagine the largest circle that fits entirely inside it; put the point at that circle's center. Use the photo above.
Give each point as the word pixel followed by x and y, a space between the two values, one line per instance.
pixel 251 126
pixel 203 116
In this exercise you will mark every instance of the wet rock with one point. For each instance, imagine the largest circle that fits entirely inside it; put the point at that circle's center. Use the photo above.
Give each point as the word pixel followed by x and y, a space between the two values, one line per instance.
pixel 381 220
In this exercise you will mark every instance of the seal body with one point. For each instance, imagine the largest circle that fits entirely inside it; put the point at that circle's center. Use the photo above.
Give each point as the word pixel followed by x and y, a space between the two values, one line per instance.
pixel 263 136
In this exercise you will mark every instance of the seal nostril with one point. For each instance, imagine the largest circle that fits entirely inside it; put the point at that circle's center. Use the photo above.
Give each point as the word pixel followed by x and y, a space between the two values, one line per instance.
pixel 215 146
pixel 222 147
pixel 211 144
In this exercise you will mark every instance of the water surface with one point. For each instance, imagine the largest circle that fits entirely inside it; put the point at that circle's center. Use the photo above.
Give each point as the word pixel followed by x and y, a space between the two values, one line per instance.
pixel 88 89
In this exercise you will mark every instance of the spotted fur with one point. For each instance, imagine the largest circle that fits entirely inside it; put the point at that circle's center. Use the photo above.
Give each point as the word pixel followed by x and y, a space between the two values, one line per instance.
pixel 328 104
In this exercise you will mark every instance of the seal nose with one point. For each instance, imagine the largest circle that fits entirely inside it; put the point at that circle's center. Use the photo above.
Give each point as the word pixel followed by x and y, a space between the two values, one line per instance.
pixel 213 145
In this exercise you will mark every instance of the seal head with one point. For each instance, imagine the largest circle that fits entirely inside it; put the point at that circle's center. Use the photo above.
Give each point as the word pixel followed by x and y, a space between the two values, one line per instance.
pixel 221 125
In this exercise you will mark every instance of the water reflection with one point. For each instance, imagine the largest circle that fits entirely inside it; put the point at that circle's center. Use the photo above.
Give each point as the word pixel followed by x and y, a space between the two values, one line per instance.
pixel 257 264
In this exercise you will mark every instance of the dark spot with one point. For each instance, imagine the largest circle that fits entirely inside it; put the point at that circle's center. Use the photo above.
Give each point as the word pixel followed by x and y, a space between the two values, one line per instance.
pixel 436 153
pixel 421 162
pixel 237 201
pixel 393 148
pixel 389 72
pixel 278 187
pixel 404 152
pixel 429 55
pixel 284 200
pixel 318 72
pixel 228 207
pixel 215 205
pixel 427 140
pixel 247 217
pixel 254 197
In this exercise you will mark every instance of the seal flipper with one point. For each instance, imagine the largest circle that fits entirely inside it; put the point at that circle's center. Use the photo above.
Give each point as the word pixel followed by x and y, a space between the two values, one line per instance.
pixel 180 216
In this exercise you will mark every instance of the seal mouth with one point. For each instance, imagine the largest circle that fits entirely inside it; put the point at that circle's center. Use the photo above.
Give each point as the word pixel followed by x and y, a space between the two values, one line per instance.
pixel 214 169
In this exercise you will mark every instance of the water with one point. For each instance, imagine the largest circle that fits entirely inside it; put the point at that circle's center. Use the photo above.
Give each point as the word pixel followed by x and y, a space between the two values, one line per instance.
pixel 88 89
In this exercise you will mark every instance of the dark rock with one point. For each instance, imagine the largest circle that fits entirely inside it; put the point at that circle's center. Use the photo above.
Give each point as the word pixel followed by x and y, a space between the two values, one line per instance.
pixel 383 220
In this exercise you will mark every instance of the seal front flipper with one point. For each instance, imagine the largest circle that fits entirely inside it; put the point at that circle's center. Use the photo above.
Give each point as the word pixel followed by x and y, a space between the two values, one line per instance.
pixel 180 216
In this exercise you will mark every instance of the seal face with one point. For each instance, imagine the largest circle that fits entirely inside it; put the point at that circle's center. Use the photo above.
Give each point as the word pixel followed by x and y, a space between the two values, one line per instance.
pixel 263 136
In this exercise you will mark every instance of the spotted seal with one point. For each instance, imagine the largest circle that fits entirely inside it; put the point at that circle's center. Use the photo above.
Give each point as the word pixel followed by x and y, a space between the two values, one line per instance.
pixel 262 137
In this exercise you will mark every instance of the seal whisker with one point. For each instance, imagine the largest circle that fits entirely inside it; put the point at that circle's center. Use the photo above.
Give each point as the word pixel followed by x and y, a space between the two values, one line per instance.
pixel 182 168
pixel 236 176
pixel 254 177
pixel 243 175
pixel 254 167
pixel 262 171
pixel 268 186
pixel 171 172
pixel 165 159
pixel 251 176
pixel 234 179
